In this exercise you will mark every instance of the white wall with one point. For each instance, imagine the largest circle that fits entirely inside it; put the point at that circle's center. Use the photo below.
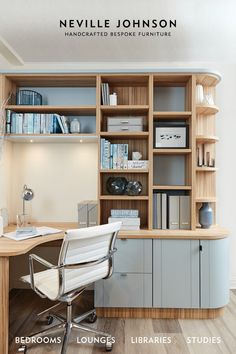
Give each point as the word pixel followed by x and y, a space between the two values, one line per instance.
pixel 5 173
pixel 60 175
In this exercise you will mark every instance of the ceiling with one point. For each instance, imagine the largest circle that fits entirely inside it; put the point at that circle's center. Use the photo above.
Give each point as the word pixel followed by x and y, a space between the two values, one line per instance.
pixel 30 32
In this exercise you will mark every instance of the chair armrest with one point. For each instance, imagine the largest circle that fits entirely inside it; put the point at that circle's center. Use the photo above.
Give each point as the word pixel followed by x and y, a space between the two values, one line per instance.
pixel 32 258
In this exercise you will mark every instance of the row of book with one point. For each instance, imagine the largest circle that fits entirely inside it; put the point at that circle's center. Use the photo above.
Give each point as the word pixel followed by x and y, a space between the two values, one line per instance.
pixel 129 217
pixel 115 156
pixel 36 123
pixel 171 211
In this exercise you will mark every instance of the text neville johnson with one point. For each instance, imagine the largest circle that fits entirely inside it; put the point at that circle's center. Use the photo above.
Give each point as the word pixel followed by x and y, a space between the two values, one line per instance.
pixel 125 23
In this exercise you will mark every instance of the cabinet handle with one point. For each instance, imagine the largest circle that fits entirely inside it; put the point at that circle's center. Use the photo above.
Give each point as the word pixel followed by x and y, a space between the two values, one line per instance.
pixel 124 122
pixel 200 248
pixel 123 274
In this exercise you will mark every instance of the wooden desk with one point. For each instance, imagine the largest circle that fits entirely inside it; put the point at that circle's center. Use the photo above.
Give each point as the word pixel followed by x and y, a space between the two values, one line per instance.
pixel 9 248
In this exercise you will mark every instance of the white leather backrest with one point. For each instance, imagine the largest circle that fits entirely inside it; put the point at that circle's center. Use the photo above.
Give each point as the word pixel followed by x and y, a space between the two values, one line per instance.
pixel 88 244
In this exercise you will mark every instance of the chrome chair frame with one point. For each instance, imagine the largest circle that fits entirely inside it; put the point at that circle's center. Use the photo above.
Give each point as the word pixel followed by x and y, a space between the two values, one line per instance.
pixel 67 323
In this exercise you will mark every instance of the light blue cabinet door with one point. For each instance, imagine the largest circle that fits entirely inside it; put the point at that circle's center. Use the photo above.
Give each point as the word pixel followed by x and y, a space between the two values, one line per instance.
pixel 99 293
pixel 214 273
pixel 128 290
pixel 133 256
pixel 176 273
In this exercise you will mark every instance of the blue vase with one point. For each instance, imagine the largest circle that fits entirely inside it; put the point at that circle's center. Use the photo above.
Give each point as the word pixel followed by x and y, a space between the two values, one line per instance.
pixel 205 216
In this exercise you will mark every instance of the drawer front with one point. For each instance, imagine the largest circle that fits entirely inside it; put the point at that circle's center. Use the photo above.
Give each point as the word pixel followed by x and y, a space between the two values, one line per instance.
pixel 133 256
pixel 125 128
pixel 128 290
pixel 125 121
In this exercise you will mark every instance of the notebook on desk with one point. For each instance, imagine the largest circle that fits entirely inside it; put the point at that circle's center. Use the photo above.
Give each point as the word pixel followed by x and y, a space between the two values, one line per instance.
pixel 38 231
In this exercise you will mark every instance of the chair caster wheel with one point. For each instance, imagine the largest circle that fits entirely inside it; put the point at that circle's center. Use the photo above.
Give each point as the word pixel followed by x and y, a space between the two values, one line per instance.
pixel 92 318
pixel 109 346
pixel 49 319
pixel 23 349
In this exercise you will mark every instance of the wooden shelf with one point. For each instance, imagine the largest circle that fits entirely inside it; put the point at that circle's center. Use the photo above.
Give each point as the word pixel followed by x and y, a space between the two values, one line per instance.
pixel 125 108
pixel 207 109
pixel 128 135
pixel 52 138
pixel 134 170
pixel 206 169
pixel 205 199
pixel 123 197
pixel 208 79
pixel 172 115
pixel 171 151
pixel 69 110
pixel 206 139
pixel 170 187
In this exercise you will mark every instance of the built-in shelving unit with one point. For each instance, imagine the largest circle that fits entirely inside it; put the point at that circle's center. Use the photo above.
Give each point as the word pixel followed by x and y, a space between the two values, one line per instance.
pixel 158 97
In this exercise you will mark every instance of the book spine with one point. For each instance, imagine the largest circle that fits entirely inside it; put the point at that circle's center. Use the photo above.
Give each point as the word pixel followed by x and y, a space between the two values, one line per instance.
pixel 111 156
pixel 30 127
pixel 102 154
pixel 115 147
pixel 8 121
pixel 159 211
pixel 125 157
pixel 173 212
pixel 25 123
pixel 37 118
pixel 184 206
pixel 155 211
pixel 119 156
pixel 106 154
pixel 13 123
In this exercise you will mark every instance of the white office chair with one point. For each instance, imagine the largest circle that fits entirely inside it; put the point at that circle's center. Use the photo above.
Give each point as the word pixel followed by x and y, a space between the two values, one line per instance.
pixel 86 256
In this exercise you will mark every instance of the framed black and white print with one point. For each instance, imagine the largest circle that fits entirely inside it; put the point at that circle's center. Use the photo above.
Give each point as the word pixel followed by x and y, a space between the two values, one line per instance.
pixel 170 137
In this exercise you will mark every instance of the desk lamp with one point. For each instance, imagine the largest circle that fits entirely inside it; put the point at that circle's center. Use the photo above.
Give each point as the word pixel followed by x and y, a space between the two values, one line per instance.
pixel 27 195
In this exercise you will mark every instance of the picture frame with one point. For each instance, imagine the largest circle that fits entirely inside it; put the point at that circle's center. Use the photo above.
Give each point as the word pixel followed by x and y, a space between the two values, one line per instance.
pixel 170 137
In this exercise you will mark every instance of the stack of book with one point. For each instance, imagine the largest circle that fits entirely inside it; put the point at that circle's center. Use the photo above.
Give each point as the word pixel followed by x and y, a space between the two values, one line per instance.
pixel 35 123
pixel 171 211
pixel 128 217
pixel 114 156
pixel 105 94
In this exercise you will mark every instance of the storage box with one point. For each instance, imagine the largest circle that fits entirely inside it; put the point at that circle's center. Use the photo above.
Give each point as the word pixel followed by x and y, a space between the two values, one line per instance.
pixel 87 213
pixel 119 124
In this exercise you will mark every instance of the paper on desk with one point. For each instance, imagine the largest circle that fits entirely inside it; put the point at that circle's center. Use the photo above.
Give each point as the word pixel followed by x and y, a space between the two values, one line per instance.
pixel 40 231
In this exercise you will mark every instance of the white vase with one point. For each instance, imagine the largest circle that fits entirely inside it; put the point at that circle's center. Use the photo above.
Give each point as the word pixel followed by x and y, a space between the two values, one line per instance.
pixel 75 126
pixel 199 94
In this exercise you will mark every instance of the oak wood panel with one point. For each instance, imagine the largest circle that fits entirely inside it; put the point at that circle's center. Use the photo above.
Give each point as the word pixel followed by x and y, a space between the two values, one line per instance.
pixel 205 124
pixel 10 247
pixel 53 80
pixel 207 79
pixel 70 110
pixel 150 153
pixel 4 303
pixel 171 151
pixel 207 109
pixel 159 313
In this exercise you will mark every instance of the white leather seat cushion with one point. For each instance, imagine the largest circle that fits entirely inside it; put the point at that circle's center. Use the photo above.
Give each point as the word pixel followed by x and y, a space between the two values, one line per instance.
pixel 48 282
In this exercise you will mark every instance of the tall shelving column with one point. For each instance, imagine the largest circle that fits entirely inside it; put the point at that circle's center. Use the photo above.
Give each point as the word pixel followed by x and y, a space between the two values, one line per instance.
pixel 172 103
pixel 150 153
pixel 133 100
pixel 205 136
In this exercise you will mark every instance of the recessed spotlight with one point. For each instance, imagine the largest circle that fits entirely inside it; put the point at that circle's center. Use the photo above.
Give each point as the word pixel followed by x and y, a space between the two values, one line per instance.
pixel 81 141
pixel 31 140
